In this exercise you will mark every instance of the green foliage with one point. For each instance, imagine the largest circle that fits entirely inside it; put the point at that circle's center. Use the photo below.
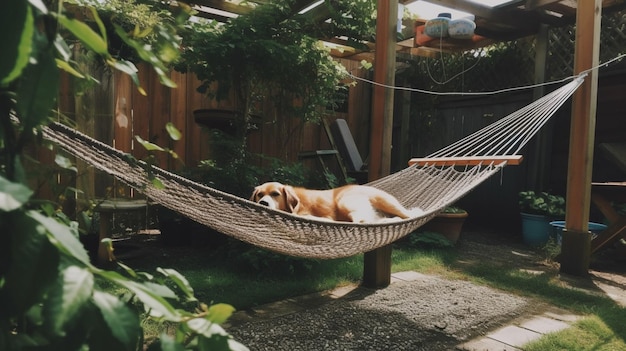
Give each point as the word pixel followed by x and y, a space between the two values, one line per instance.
pixel 453 209
pixel 151 25
pixel 235 170
pixel 542 203
pixel 271 54
pixel 51 295
pixel 425 239
pixel 551 249
pixel 262 261
pixel 354 19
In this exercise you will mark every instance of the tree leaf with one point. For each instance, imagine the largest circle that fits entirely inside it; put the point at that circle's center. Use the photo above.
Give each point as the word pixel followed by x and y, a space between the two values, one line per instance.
pixel 219 313
pixel 155 303
pixel 101 27
pixel 67 297
pixel 121 320
pixel 130 69
pixel 16 37
pixel 166 343
pixel 234 345
pixel 164 79
pixel 64 162
pixel 214 343
pixel 85 34
pixel 205 327
pixel 64 239
pixel 39 5
pixel 156 182
pixel 159 289
pixel 174 133
pixel 13 195
pixel 38 90
pixel 148 145
pixel 69 69
pixel 32 265
pixel 179 280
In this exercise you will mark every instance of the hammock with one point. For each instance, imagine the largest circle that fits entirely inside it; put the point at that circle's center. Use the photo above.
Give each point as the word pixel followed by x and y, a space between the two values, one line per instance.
pixel 431 183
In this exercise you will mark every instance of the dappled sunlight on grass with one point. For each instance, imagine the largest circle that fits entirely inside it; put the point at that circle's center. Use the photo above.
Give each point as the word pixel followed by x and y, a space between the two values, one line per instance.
pixel 590 333
pixel 225 278
pixel 429 261
pixel 604 328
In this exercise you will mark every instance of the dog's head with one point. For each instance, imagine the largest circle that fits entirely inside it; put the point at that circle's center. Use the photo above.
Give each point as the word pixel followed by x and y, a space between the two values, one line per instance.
pixel 277 196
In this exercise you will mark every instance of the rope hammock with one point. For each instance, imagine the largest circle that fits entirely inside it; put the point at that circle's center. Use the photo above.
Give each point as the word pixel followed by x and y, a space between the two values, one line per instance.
pixel 431 183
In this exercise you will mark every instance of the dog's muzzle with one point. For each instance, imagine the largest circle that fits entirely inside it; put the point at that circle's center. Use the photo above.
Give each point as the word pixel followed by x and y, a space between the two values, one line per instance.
pixel 267 201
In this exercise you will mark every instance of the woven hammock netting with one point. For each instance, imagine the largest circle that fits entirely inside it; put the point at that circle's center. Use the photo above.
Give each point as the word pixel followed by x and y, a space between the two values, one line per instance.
pixel 429 187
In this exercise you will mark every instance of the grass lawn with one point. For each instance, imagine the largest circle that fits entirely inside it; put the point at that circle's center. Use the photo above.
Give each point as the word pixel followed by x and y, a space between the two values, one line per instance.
pixel 218 277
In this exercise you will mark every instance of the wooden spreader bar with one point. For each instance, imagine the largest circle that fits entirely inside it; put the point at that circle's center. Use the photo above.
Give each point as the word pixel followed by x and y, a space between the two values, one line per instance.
pixel 513 160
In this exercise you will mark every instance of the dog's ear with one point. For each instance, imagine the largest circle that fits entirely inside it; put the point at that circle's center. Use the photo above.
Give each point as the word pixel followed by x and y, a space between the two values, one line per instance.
pixel 291 198
pixel 254 193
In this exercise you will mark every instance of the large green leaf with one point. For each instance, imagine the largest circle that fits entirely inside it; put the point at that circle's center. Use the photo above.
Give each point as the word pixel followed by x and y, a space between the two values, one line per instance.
pixel 64 162
pixel 166 343
pixel 38 90
pixel 130 69
pixel 12 195
pixel 85 34
pixel 16 37
pixel 219 313
pixel 32 266
pixel 159 289
pixel 121 320
pixel 204 327
pixel 64 239
pixel 174 133
pixel 155 303
pixel 148 145
pixel 179 280
pixel 211 336
pixel 67 297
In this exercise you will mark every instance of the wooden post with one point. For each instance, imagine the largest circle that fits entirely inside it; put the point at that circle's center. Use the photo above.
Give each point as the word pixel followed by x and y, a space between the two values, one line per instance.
pixel 541 151
pixel 575 252
pixel 377 264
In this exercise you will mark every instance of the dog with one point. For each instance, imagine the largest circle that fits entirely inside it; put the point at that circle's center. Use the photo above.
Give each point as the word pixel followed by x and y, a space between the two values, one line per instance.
pixel 349 203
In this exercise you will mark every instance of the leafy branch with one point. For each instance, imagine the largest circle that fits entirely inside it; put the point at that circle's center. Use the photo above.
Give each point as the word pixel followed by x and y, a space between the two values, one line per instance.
pixel 51 295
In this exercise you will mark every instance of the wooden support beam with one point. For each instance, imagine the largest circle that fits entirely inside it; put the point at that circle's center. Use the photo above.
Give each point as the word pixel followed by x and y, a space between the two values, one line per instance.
pixel 377 264
pixel 539 165
pixel 575 252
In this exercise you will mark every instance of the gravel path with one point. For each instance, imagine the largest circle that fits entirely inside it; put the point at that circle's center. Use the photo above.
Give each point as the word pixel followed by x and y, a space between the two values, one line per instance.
pixel 428 313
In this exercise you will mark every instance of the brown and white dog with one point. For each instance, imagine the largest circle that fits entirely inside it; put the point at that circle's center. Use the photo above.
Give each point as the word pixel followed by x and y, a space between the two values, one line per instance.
pixel 350 203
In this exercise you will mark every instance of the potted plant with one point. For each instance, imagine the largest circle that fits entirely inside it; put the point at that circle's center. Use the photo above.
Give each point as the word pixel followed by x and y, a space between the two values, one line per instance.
pixel 270 55
pixel 538 209
pixel 448 223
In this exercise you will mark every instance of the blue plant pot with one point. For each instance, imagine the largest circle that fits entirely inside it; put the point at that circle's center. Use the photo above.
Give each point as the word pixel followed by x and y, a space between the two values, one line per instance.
pixel 559 226
pixel 536 229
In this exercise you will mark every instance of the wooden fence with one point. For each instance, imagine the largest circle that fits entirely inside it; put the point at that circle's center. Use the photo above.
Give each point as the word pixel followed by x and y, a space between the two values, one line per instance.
pixel 114 112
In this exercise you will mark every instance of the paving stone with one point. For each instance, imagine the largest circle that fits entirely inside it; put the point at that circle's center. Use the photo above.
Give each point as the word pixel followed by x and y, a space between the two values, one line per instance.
pixel 277 309
pixel 408 276
pixel 544 325
pixel 514 335
pixel 562 316
pixel 342 291
pixel 486 344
